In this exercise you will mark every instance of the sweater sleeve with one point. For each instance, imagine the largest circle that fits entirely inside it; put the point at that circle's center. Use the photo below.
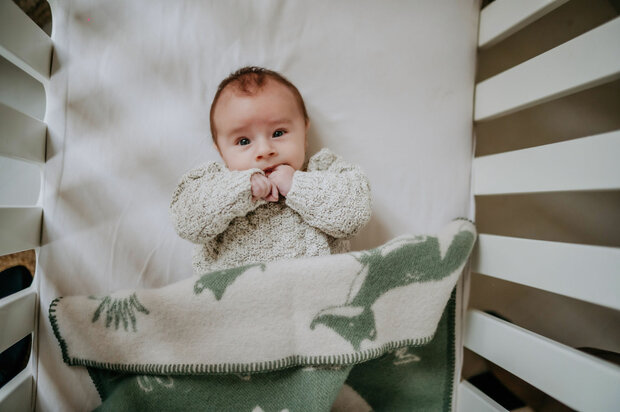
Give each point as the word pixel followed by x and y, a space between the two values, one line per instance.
pixel 208 198
pixel 333 195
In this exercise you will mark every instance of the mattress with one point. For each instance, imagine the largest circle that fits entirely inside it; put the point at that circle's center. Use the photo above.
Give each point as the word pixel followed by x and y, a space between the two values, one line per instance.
pixel 388 86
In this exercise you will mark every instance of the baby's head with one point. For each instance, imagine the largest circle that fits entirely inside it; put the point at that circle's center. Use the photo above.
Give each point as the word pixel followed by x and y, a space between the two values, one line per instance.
pixel 259 120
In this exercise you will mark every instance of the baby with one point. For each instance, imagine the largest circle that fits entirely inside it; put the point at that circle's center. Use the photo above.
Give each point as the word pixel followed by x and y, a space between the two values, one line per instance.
pixel 264 203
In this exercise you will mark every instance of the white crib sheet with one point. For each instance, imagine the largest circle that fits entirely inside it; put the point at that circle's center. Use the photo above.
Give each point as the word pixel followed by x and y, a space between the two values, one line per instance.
pixel 388 85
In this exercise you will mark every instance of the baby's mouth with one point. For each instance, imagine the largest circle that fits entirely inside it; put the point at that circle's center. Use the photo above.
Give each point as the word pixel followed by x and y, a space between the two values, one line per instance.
pixel 270 169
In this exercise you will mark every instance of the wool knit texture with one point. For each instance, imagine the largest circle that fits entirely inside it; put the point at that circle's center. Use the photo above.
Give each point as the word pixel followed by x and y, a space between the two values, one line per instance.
pixel 327 204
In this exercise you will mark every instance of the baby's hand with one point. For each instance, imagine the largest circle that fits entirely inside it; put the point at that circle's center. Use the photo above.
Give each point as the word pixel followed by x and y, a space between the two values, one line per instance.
pixel 263 188
pixel 282 176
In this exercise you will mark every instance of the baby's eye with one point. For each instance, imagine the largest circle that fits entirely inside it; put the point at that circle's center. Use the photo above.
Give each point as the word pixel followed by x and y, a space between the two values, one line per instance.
pixel 278 133
pixel 243 141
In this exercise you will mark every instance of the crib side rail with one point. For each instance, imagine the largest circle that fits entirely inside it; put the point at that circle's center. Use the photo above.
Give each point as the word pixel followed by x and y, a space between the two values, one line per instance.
pixel 501 19
pixel 473 399
pixel 556 267
pixel 587 163
pixel 25 63
pixel 23 43
pixel 577 379
pixel 17 394
pixel 23 136
pixel 573 66
pixel 582 381
pixel 18 319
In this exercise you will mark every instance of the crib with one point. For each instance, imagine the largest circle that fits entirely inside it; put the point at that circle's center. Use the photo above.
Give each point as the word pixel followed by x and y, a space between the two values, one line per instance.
pixel 544 192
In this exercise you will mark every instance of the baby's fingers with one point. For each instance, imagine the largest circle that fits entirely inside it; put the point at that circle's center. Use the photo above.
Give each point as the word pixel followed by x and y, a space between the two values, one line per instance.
pixel 260 187
pixel 274 195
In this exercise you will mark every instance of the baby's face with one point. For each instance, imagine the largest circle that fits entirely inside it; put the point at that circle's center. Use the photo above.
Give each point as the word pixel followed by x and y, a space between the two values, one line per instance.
pixel 261 131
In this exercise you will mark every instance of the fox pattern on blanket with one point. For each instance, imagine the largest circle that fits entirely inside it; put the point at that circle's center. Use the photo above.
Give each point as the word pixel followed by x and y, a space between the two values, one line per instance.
pixel 386 268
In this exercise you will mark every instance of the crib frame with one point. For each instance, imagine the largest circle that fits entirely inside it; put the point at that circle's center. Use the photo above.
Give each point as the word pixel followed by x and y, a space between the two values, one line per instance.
pixel 578 380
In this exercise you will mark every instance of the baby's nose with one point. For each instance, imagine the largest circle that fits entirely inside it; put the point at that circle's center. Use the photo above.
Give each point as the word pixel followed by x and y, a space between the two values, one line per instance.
pixel 266 149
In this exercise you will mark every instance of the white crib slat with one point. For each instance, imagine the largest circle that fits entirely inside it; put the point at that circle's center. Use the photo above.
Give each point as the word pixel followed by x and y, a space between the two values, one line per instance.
pixel 16 395
pixel 588 163
pixel 20 181
pixel 586 61
pixel 23 43
pixel 579 380
pixel 21 136
pixel 589 273
pixel 21 91
pixel 17 314
pixel 21 228
pixel 472 399
pixel 502 18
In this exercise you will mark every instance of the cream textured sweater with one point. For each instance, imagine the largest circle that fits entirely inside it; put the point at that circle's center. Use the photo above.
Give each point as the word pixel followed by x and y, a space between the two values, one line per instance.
pixel 213 208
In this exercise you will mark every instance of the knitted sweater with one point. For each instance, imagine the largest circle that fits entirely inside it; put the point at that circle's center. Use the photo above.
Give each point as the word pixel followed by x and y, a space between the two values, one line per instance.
pixel 213 208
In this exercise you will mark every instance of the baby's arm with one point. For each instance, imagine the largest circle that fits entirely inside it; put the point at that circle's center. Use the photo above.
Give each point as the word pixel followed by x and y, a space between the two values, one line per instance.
pixel 208 198
pixel 333 196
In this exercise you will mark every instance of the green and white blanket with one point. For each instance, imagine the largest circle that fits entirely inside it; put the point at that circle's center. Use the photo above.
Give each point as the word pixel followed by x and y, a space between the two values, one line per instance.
pixel 284 335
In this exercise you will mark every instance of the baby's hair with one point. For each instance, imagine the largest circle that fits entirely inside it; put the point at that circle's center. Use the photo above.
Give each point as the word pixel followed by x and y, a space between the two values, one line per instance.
pixel 249 80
